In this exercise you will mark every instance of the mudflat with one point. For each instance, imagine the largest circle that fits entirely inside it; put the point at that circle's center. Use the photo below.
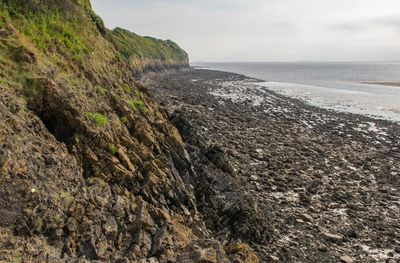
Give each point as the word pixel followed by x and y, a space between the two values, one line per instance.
pixel 325 184
pixel 384 83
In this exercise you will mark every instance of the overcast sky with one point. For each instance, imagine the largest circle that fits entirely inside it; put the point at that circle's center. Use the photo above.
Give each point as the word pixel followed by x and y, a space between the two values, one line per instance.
pixel 265 30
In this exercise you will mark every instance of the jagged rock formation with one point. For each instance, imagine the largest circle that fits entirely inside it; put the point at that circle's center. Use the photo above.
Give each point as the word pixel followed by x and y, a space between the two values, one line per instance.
pixel 90 168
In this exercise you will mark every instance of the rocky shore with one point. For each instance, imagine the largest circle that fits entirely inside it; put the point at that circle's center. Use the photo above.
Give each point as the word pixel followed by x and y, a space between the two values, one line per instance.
pixel 296 182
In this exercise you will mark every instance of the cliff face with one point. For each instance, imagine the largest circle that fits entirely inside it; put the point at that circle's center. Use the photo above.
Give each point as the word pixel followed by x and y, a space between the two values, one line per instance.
pixel 90 168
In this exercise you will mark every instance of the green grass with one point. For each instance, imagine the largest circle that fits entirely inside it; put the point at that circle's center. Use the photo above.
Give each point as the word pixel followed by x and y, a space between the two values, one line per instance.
pixel 99 119
pixel 46 24
pixel 97 21
pixel 112 149
pixel 101 90
pixel 2 20
pixel 137 105
pixel 133 47
pixel 51 32
pixel 127 89
pixel 124 120
pixel 119 90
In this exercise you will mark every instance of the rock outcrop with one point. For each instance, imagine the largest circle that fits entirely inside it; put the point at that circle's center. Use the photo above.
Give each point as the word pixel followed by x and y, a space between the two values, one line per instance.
pixel 90 168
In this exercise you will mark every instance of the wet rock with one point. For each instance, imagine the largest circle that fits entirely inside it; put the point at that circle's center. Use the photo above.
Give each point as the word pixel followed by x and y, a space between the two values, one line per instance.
pixel 110 227
pixel 217 156
pixel 305 169
pixel 274 259
pixel 307 217
pixel 206 251
pixel 346 259
pixel 332 237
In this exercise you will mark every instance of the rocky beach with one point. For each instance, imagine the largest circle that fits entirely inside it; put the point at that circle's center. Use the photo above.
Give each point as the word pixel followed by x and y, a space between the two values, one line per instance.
pixel 113 149
pixel 296 182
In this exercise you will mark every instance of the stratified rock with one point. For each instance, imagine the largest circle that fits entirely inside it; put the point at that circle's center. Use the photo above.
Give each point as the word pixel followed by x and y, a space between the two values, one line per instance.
pixel 125 160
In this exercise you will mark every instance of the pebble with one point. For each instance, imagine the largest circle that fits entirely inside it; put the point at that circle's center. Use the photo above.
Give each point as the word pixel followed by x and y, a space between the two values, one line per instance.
pixel 274 259
pixel 307 217
pixel 332 237
pixel 346 259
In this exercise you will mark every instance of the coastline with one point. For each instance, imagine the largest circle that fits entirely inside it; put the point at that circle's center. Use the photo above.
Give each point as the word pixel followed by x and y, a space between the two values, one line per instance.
pixel 325 183
pixel 383 83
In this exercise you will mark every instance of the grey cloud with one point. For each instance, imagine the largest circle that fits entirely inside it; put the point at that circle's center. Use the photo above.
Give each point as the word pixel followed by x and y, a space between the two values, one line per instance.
pixel 363 25
pixel 256 30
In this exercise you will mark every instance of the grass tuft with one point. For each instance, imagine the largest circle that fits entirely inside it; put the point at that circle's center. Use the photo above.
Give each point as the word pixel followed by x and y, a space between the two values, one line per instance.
pixel 127 89
pixel 124 120
pixel 99 119
pixel 138 105
pixel 101 90
pixel 112 149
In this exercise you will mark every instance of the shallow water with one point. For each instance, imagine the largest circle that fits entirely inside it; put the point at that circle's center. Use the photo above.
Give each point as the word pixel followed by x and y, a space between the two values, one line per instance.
pixel 329 85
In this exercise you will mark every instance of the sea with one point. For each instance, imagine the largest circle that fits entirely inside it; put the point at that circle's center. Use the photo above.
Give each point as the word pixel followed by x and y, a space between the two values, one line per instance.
pixel 333 85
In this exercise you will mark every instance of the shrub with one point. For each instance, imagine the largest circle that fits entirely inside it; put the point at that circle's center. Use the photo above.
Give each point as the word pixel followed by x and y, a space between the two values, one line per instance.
pixel 98 22
pixel 97 118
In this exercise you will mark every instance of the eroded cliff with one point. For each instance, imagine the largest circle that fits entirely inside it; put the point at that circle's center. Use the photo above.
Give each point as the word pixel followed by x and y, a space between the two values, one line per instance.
pixel 90 168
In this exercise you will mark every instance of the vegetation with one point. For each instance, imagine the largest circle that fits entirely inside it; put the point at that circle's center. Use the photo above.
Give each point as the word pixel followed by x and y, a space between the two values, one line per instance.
pixel 137 50
pixel 112 149
pixel 66 27
pixel 138 105
pixel 47 25
pixel 124 120
pixel 127 89
pixel 101 90
pixel 97 118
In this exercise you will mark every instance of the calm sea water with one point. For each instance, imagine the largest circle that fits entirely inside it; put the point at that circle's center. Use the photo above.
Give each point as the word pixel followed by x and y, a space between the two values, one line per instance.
pixel 330 85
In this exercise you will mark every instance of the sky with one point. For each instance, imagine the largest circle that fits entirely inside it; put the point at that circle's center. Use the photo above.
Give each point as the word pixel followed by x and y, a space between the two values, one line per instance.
pixel 265 30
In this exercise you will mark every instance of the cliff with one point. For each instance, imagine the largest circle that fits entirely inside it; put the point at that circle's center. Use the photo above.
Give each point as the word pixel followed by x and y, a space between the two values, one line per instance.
pixel 90 167
pixel 146 53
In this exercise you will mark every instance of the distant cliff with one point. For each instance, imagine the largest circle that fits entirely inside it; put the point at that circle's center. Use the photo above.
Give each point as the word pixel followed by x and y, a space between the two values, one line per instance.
pixel 91 169
pixel 147 52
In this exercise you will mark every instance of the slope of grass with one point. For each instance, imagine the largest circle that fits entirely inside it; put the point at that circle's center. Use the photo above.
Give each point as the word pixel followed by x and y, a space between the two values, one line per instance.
pixel 146 51
pixel 54 26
